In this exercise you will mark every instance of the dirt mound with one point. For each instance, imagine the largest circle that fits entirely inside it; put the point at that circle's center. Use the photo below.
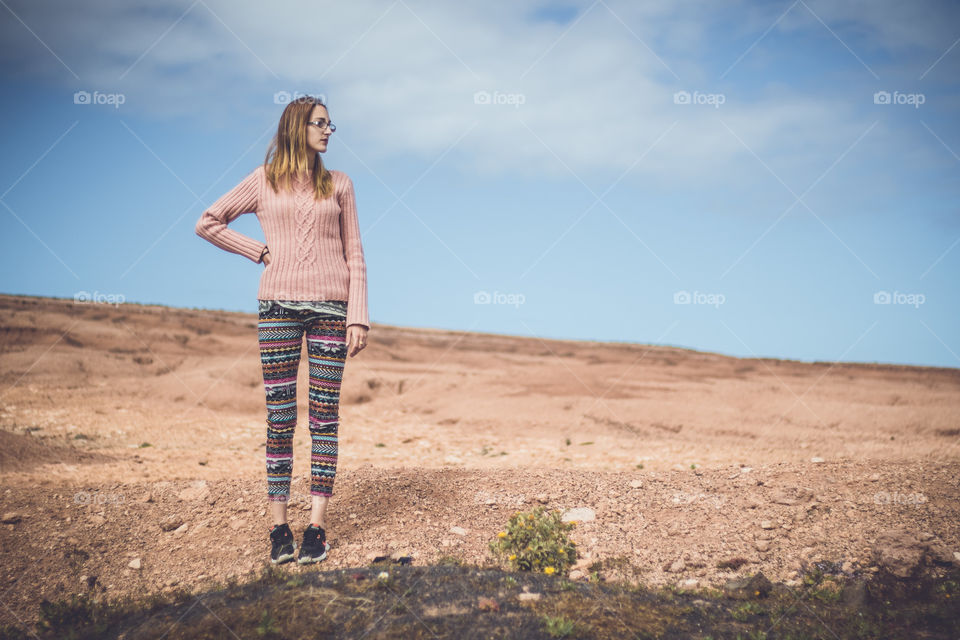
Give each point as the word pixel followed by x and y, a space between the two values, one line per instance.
pixel 133 437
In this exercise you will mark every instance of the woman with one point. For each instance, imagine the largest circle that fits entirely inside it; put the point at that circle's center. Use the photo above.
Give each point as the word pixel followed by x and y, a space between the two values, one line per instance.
pixel 314 282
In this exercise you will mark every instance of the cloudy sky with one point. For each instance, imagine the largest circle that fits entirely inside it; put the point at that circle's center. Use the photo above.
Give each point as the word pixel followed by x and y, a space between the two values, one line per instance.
pixel 773 179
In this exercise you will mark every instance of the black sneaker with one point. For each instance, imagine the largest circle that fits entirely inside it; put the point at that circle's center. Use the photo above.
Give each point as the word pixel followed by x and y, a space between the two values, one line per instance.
pixel 283 545
pixel 315 545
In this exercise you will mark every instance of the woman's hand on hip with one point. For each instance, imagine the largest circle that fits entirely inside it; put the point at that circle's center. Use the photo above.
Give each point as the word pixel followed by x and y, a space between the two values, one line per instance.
pixel 356 338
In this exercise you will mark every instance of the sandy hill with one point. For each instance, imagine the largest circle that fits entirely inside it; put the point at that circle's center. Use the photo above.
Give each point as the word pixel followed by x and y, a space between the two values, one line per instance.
pixel 119 424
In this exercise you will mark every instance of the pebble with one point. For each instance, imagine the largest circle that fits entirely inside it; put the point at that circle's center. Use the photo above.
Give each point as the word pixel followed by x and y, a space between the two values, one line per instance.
pixel 816 460
pixel 11 517
pixel 766 524
pixel 579 514
pixel 460 531
pixel 523 597
pixel 134 564
pixel 762 545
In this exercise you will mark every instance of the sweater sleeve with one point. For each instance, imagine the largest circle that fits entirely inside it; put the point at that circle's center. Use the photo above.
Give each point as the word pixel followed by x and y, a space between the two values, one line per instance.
pixel 212 225
pixel 353 253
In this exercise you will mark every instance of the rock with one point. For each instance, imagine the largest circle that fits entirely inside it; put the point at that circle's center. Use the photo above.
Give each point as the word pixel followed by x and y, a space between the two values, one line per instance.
pixel 762 545
pixel 579 514
pixel 487 604
pixel 525 596
pixel 898 552
pixel 134 564
pixel 543 498
pixel 636 484
pixel 576 574
pixel 874 477
pixel 146 497
pixel 782 497
pixel 816 460
pixel 180 530
pixel 460 531
pixel 677 566
pixel 939 552
pixel 755 586
pixel 96 520
pixel 171 522
pixel 766 524
pixel 854 594
pixel 689 583
pixel 11 517
pixel 197 491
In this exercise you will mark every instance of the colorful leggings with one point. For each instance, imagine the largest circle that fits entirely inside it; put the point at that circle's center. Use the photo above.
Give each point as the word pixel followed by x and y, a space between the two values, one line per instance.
pixel 281 332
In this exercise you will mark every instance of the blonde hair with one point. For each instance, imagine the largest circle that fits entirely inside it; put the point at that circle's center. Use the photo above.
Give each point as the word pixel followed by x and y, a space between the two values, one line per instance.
pixel 287 154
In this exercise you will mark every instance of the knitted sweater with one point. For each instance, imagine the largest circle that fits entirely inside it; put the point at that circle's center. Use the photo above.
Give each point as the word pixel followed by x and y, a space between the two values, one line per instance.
pixel 315 249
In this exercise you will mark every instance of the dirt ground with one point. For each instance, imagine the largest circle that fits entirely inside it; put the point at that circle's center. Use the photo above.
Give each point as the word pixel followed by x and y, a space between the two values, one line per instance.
pixel 132 454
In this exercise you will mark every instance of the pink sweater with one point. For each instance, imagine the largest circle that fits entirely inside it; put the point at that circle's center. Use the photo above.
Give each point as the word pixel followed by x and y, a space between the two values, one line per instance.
pixel 315 250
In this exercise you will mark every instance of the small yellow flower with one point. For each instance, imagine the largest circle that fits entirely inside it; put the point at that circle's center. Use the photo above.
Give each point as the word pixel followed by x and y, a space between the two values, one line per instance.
pixel 573 523
pixel 756 593
pixel 502 534
pixel 549 570
pixel 513 557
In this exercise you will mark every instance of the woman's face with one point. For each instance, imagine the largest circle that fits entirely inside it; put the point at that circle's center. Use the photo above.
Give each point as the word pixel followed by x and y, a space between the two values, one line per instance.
pixel 317 137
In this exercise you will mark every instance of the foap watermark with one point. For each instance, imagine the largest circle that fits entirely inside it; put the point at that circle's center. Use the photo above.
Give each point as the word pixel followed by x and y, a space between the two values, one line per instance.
pixel 285 97
pixel 116 299
pixel 485 297
pixel 712 99
pixel 898 297
pixel 885 97
pixel 485 97
pixel 911 499
pixel 95 497
pixel 699 297
pixel 97 97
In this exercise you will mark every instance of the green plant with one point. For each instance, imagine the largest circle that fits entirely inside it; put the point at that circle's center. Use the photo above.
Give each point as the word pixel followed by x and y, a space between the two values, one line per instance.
pixel 558 627
pixel 267 626
pixel 536 541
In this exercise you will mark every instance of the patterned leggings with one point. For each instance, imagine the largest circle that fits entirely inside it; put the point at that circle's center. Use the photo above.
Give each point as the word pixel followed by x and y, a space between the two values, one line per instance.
pixel 281 332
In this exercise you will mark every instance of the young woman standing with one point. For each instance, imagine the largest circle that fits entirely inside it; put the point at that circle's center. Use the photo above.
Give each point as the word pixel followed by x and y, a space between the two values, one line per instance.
pixel 314 283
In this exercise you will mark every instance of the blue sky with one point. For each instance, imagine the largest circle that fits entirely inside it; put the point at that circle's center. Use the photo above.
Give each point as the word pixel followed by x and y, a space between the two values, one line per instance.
pixel 725 176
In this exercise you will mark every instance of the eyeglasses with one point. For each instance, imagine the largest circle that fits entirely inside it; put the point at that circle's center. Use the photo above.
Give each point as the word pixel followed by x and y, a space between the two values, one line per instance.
pixel 322 124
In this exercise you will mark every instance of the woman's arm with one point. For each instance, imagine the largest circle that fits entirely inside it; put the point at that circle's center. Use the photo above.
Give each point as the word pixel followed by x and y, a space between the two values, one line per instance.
pixel 212 225
pixel 353 252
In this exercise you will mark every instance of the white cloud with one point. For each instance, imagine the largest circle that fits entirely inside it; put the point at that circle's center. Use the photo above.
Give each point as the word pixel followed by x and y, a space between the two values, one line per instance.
pixel 400 77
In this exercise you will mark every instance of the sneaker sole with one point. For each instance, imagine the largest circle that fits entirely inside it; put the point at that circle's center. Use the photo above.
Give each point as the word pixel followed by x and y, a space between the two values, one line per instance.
pixel 285 557
pixel 312 559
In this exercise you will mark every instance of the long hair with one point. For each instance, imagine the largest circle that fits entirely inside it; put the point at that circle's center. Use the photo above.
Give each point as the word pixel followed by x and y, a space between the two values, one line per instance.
pixel 287 154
